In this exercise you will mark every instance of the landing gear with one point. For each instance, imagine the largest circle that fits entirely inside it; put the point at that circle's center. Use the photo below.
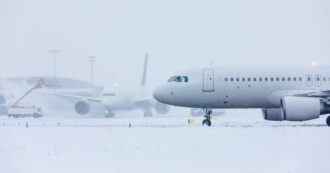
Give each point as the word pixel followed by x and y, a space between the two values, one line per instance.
pixel 36 115
pixel 109 114
pixel 208 113
pixel 147 114
pixel 328 121
pixel 207 122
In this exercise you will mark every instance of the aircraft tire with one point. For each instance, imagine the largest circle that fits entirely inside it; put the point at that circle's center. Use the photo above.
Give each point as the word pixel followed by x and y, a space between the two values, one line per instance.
pixel 206 122
pixel 147 114
pixel 36 115
pixel 109 115
pixel 328 121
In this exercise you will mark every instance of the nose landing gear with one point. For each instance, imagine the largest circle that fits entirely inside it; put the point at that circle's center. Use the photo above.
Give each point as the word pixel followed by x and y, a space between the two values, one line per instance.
pixel 109 114
pixel 207 120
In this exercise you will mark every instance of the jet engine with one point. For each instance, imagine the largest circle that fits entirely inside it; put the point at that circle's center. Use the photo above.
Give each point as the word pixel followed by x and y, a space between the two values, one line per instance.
pixel 295 109
pixel 82 107
pixel 274 114
pixel 301 108
pixel 161 108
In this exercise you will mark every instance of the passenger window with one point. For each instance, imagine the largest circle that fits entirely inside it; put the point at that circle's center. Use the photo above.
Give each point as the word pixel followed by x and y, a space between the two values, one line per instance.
pixel 266 79
pixel 289 79
pixel 231 79
pixel 254 79
pixel 237 79
pixel 324 79
pixel 249 79
pixel 277 79
pixel 260 79
pixel 318 78
pixel 283 78
pixel 226 79
pixel 243 79
pixel 300 78
pixel 272 79
pixel 294 79
pixel 309 78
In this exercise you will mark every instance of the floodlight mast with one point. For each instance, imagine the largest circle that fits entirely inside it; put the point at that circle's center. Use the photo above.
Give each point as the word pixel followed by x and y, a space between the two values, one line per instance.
pixel 92 59
pixel 55 52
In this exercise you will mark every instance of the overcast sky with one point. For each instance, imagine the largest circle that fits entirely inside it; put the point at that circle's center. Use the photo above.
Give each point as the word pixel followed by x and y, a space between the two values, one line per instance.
pixel 177 34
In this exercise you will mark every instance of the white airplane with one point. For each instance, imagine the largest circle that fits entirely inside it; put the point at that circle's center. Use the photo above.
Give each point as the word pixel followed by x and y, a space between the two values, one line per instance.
pixel 283 93
pixel 114 99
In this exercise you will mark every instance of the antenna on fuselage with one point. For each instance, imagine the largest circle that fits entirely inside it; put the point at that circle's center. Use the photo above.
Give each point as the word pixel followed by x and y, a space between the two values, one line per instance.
pixel 143 82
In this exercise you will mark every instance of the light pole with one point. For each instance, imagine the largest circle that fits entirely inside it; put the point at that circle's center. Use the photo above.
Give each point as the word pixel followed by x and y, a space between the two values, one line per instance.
pixel 92 59
pixel 54 52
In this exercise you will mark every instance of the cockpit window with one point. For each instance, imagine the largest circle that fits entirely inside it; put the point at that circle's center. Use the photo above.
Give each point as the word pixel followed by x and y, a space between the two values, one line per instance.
pixel 178 79
pixel 172 79
pixel 185 78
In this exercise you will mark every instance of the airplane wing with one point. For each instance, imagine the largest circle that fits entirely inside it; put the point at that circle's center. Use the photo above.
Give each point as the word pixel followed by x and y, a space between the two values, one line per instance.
pixel 322 94
pixel 143 101
pixel 92 99
pixel 325 93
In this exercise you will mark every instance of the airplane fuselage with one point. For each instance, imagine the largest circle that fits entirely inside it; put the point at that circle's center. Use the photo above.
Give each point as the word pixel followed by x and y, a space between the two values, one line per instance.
pixel 241 87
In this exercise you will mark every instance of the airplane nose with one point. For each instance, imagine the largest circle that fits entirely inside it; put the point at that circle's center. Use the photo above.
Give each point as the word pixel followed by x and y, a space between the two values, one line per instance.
pixel 159 94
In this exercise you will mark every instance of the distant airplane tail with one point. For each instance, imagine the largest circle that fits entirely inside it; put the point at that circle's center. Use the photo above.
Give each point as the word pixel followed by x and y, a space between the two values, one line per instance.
pixel 144 77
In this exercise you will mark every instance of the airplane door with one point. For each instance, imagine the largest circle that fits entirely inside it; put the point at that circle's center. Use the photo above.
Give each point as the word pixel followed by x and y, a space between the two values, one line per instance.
pixel 208 80
pixel 318 80
pixel 309 80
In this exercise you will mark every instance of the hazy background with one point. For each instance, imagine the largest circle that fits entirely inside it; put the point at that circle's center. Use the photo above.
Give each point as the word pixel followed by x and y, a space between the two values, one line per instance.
pixel 177 34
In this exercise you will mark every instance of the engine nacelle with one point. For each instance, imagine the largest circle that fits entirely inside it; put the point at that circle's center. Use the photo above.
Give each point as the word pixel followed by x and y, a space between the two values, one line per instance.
pixel 301 108
pixel 273 114
pixel 296 109
pixel 82 107
pixel 161 108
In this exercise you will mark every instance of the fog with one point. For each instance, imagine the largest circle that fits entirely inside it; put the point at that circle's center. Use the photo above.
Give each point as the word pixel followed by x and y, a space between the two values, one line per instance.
pixel 129 131
pixel 176 34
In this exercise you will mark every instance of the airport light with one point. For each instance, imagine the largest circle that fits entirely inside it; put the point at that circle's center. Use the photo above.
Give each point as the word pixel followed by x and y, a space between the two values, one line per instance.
pixel 92 59
pixel 314 63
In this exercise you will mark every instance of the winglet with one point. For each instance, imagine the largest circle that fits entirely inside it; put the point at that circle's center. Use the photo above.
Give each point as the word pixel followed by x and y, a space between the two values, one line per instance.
pixel 143 82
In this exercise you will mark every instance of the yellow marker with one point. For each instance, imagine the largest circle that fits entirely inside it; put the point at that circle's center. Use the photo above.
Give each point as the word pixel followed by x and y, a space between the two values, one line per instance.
pixel 191 121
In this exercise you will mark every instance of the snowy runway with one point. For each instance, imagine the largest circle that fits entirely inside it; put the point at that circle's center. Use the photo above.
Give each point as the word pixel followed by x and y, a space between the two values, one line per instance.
pixel 163 144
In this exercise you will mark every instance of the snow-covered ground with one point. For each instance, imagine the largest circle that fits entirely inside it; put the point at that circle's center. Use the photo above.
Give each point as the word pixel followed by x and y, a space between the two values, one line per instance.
pixel 240 141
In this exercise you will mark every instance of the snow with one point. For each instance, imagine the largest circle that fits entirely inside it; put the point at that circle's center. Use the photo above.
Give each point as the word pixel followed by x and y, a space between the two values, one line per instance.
pixel 237 142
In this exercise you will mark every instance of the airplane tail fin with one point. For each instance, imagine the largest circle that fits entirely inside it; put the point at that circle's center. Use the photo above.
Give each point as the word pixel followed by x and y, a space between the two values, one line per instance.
pixel 144 77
